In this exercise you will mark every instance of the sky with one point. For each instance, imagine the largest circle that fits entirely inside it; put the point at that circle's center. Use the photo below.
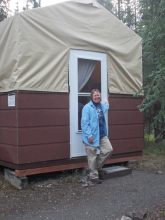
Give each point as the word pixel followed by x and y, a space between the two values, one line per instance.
pixel 50 2
pixel 22 3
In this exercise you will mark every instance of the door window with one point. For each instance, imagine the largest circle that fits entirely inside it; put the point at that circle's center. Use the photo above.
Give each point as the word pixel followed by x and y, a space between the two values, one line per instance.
pixel 89 77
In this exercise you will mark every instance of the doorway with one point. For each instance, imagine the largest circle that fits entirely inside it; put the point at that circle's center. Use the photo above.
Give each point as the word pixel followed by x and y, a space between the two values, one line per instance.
pixel 87 71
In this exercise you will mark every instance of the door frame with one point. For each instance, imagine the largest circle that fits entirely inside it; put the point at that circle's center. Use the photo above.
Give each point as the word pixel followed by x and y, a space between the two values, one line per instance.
pixel 77 148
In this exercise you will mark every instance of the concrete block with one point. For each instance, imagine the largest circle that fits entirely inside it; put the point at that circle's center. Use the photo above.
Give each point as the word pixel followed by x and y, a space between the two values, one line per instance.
pixel 84 171
pixel 116 171
pixel 131 163
pixel 18 182
pixel 137 215
pixel 125 218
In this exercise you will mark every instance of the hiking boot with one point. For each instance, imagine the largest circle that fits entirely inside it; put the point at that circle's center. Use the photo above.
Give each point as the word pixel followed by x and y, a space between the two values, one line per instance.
pixel 102 172
pixel 96 181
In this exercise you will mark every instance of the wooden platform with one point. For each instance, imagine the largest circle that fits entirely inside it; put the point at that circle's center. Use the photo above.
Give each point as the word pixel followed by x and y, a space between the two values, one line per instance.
pixel 28 172
pixel 116 171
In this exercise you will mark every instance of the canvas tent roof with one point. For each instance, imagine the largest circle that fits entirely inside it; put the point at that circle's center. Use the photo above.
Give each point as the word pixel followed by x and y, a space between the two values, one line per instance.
pixel 35 46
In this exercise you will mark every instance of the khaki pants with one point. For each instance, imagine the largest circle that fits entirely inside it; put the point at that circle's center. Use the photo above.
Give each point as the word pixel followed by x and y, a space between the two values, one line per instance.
pixel 96 162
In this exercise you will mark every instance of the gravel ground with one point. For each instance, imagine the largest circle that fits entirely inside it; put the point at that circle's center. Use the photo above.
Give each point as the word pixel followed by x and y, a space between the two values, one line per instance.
pixel 63 198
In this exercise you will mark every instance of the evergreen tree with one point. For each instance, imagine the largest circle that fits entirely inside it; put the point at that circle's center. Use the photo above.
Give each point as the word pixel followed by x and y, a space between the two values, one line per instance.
pixel 107 4
pixel 3 9
pixel 130 14
pixel 125 10
pixel 33 2
pixel 152 30
pixel 17 8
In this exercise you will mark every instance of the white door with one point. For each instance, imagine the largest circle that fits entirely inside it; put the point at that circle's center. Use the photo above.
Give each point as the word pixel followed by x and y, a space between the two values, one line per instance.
pixel 94 66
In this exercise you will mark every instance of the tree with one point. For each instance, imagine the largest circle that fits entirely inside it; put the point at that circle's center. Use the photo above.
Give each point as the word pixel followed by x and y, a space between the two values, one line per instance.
pixel 3 9
pixel 17 8
pixel 124 10
pixel 152 30
pixel 107 4
pixel 33 2
pixel 130 15
pixel 127 12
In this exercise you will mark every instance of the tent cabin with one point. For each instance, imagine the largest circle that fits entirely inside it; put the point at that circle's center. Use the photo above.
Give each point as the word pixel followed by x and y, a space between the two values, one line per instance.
pixel 50 60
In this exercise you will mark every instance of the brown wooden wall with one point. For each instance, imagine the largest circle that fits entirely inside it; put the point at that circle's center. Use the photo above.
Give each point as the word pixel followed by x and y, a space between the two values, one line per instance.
pixel 125 124
pixel 8 130
pixel 36 129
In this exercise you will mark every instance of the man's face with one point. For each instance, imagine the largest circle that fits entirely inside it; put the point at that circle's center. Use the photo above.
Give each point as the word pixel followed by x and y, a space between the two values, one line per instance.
pixel 96 97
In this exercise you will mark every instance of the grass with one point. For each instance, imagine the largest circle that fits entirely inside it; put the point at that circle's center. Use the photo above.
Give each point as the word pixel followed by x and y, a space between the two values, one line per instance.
pixel 149 137
pixel 162 212
pixel 70 176
pixel 153 149
pixel 153 157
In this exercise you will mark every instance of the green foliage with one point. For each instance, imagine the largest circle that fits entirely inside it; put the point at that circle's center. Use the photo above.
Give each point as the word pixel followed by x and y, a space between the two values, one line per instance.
pixel 70 176
pixel 162 212
pixel 125 10
pixel 107 4
pixel 3 9
pixel 152 30
pixel 35 5
pixel 154 149
pixel 149 137
pixel 128 19
pixel 34 2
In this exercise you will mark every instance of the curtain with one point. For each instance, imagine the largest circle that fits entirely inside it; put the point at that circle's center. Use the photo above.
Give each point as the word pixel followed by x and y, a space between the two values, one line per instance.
pixel 85 69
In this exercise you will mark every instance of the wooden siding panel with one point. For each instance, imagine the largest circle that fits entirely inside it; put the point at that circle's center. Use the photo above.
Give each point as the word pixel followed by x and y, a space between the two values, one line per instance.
pixel 127 145
pixel 8 130
pixel 117 132
pixel 43 100
pixel 125 125
pixel 38 153
pixel 8 118
pixel 43 135
pixel 125 117
pixel 8 136
pixel 43 117
pixel 4 101
pixel 43 122
pixel 8 153
pixel 123 103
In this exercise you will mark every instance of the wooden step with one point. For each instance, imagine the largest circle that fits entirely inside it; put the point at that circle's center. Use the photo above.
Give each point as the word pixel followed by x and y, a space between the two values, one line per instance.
pixel 116 171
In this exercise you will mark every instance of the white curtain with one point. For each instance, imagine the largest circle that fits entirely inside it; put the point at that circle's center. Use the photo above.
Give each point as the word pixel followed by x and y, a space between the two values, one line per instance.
pixel 85 69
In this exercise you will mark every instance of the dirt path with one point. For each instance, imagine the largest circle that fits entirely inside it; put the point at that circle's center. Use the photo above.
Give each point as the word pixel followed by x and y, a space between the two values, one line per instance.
pixel 59 197
pixel 155 165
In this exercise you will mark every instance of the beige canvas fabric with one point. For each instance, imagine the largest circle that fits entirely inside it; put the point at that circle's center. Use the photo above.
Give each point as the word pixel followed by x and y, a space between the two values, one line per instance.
pixel 35 47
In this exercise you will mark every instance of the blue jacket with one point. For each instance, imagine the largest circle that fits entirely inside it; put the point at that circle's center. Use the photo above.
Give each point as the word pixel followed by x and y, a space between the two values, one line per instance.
pixel 90 123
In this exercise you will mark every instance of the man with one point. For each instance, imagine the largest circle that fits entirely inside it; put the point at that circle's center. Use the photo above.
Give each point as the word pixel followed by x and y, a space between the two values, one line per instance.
pixel 94 135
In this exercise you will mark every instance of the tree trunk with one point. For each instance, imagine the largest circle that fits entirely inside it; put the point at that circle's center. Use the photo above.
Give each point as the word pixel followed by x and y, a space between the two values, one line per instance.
pixel 119 9
pixel 158 127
